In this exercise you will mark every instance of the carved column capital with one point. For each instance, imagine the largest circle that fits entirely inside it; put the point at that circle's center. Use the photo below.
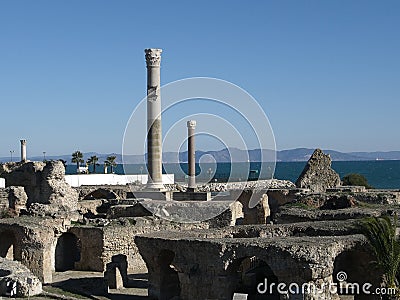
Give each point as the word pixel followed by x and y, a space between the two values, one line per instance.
pixel 191 124
pixel 153 57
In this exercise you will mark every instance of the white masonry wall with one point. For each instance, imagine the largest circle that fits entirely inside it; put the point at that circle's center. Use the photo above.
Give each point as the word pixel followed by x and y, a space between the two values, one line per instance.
pixel 2 183
pixel 112 179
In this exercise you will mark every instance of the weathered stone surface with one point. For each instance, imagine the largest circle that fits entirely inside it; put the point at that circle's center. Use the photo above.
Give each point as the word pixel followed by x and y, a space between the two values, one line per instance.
pixel 343 199
pixel 135 210
pixel 297 214
pixel 42 210
pixel 318 174
pixel 29 240
pixel 3 198
pixel 257 214
pixel 347 189
pixel 339 202
pixel 90 207
pixel 122 191
pixel 43 183
pixel 379 197
pixel 259 184
pixel 54 187
pixel 13 273
pixel 17 198
pixel 186 211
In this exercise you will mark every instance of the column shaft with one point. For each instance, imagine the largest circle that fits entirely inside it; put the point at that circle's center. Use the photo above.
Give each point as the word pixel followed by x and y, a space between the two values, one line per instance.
pixel 154 129
pixel 23 150
pixel 191 156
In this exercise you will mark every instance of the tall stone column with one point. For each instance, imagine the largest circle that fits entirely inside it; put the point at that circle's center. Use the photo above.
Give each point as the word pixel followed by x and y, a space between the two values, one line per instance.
pixel 191 125
pixel 23 150
pixel 154 133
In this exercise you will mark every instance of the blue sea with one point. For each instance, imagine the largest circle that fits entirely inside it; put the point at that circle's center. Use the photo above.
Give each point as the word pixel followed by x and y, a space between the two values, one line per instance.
pixel 381 174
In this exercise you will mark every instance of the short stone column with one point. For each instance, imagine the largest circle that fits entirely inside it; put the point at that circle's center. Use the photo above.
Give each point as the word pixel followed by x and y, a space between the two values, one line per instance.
pixel 23 150
pixel 191 125
pixel 154 133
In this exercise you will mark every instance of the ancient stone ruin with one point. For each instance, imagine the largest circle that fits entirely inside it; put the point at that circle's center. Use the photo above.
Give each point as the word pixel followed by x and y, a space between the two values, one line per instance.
pixel 39 187
pixel 318 174
pixel 291 235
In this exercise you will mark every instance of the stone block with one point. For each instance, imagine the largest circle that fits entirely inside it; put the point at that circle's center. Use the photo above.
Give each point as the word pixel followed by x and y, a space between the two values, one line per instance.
pixel 191 196
pixel 17 281
pixel 154 195
pixel 113 276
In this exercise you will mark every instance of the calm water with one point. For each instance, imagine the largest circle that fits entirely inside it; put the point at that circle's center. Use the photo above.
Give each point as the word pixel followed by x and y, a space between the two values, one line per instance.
pixel 380 174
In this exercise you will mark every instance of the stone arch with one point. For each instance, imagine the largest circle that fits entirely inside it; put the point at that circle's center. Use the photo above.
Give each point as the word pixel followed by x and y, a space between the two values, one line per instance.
pixel 355 266
pixel 8 245
pixel 170 286
pixel 68 252
pixel 246 273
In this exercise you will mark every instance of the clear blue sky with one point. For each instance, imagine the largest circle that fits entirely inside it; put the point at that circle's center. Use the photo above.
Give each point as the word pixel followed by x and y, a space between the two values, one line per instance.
pixel 327 73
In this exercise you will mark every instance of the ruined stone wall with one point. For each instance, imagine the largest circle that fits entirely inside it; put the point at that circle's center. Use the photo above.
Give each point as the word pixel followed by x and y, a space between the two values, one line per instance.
pixel 27 175
pixel 119 239
pixel 92 242
pixel 207 268
pixel 17 198
pixel 252 215
pixel 25 240
pixel 3 199
pixel 14 198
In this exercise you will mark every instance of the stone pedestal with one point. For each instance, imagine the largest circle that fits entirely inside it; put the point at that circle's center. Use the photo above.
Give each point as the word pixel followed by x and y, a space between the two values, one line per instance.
pixel 154 133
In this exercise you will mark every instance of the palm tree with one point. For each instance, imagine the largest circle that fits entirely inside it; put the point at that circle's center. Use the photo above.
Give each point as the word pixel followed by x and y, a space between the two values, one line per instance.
pixel 381 234
pixel 93 161
pixel 111 162
pixel 77 157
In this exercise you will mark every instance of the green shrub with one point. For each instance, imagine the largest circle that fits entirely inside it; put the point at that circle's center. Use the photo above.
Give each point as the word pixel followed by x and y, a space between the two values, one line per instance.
pixel 356 179
pixel 381 235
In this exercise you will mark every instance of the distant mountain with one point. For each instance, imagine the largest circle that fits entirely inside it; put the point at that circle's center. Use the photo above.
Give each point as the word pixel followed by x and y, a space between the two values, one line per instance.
pixel 391 155
pixel 235 154
pixel 303 154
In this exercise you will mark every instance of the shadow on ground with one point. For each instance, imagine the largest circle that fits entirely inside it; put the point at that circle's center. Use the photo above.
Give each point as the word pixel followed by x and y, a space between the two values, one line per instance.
pixel 91 285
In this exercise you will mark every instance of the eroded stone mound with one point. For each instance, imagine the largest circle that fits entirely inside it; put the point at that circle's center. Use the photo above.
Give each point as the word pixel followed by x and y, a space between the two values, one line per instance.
pixel 318 174
pixel 43 183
